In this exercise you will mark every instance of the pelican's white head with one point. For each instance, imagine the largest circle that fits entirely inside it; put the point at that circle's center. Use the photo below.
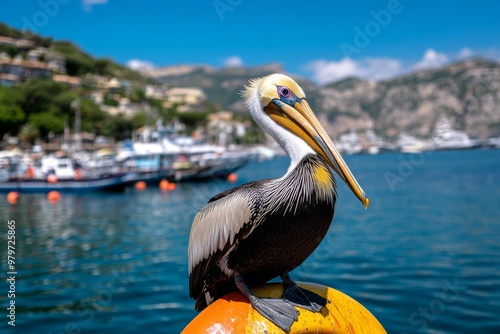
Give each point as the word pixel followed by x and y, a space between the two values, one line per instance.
pixel 279 106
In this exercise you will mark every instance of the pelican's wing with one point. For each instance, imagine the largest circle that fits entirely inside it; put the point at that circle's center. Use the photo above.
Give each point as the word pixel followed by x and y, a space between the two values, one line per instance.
pixel 226 218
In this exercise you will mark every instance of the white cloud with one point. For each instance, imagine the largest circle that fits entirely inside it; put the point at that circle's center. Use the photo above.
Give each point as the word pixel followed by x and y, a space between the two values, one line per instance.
pixel 140 65
pixel 432 59
pixel 234 61
pixel 492 53
pixel 324 71
pixel 88 4
pixel 465 53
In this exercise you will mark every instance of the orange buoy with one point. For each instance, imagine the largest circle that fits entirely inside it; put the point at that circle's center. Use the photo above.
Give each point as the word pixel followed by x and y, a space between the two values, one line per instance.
pixel 78 174
pixel 13 197
pixel 232 178
pixel 171 186
pixel 163 185
pixel 30 173
pixel 52 178
pixel 234 314
pixel 53 196
pixel 141 185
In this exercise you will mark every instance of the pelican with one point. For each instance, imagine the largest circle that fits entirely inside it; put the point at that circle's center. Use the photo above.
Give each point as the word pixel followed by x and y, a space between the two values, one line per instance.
pixel 248 235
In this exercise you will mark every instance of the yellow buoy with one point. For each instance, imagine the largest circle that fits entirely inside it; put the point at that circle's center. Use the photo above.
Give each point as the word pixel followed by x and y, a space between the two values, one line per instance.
pixel 233 314
pixel 13 197
pixel 53 196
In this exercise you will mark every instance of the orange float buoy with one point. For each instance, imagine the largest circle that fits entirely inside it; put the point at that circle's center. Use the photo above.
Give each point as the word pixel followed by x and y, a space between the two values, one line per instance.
pixel 171 186
pixel 163 185
pixel 13 197
pixel 52 178
pixel 141 185
pixel 78 174
pixel 30 173
pixel 234 314
pixel 232 178
pixel 53 196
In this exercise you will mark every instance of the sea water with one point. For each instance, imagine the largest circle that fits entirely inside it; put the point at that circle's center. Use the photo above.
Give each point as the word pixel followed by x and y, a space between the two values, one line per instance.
pixel 423 258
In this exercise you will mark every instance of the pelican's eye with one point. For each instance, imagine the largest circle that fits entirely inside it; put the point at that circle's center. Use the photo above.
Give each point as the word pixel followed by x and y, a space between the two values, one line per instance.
pixel 284 92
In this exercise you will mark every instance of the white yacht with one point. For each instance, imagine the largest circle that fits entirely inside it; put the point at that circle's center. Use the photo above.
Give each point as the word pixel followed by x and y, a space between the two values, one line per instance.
pixel 349 143
pixel 410 144
pixel 447 138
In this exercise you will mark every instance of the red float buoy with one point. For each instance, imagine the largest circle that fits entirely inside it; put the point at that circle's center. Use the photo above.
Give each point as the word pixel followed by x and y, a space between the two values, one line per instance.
pixel 163 185
pixel 232 178
pixel 141 185
pixel 78 174
pixel 53 196
pixel 13 197
pixel 52 178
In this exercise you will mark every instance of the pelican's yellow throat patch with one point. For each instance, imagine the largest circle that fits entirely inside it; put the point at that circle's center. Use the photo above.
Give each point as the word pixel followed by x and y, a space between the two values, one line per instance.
pixel 323 177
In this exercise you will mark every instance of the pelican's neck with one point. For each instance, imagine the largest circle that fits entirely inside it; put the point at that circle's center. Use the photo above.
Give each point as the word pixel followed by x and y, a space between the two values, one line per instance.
pixel 294 146
pixel 296 149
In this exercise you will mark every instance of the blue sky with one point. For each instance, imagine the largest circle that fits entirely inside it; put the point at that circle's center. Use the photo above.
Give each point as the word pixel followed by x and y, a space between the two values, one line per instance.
pixel 321 40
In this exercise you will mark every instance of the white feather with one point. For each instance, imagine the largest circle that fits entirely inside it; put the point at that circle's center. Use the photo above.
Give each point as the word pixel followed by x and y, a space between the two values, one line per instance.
pixel 216 224
pixel 295 147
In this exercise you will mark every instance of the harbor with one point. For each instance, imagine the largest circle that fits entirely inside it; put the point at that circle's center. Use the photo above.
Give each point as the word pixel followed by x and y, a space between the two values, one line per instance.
pixel 168 167
pixel 98 260
pixel 115 170
pixel 159 156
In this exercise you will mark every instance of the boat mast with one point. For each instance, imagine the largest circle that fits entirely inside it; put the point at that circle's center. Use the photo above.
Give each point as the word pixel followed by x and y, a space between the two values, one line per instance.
pixel 76 105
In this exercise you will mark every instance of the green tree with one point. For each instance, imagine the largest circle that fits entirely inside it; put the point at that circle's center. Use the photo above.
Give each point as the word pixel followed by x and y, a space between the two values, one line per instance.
pixel 137 95
pixel 11 113
pixel 63 101
pixel 139 119
pixel 11 50
pixel 9 32
pixel 78 62
pixel 46 122
pixel 92 116
pixel 193 119
pixel 39 95
pixel 121 127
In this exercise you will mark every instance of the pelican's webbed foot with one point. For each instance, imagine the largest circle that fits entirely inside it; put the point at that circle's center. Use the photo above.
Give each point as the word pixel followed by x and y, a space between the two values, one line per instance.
pixel 276 310
pixel 301 297
pixel 281 313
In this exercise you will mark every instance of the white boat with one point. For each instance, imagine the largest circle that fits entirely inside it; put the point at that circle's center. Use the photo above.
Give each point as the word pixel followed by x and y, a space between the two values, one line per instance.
pixel 493 142
pixel 410 144
pixel 447 138
pixel 62 168
pixel 349 143
pixel 182 158
pixel 373 143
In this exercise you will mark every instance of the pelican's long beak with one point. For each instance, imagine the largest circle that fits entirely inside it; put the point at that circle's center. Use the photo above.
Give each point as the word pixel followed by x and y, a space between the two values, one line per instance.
pixel 301 121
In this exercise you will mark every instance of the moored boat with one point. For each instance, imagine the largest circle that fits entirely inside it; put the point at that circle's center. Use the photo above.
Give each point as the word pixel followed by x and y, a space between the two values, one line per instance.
pixel 112 182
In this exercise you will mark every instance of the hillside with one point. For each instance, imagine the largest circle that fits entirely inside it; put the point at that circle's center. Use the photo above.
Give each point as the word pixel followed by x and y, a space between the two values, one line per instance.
pixel 467 93
pixel 78 62
pixel 223 85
